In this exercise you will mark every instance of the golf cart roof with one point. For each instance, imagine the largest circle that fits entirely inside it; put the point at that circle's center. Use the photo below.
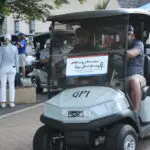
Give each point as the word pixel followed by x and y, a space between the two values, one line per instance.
pixel 56 32
pixel 42 37
pixel 95 14
pixel 16 35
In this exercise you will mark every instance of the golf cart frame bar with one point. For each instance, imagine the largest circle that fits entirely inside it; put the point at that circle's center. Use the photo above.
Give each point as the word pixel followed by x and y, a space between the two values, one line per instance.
pixel 95 14
pixel 50 60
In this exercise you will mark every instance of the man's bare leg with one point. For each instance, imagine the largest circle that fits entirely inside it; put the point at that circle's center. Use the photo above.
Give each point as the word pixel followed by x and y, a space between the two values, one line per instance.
pixel 135 94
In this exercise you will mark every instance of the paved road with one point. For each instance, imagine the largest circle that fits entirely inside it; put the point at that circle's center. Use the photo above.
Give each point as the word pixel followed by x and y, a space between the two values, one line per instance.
pixel 16 132
pixel 40 98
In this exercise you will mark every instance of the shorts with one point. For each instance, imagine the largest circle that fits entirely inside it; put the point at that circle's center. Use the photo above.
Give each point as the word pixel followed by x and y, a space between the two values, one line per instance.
pixel 136 76
pixel 22 60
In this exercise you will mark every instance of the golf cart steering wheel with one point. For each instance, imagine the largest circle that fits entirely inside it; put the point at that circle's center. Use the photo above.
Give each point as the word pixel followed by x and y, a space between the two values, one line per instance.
pixel 117 62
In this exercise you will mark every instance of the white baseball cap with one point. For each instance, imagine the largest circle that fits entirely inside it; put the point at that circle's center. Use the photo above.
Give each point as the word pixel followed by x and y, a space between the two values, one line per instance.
pixel 7 36
pixel 48 41
pixel 130 29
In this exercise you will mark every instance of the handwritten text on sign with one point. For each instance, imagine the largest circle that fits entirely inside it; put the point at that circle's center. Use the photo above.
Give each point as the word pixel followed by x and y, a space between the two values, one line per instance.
pixel 87 65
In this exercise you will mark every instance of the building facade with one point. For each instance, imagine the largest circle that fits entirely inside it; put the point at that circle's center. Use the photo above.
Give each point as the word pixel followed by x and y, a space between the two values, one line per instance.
pixel 13 26
pixel 115 4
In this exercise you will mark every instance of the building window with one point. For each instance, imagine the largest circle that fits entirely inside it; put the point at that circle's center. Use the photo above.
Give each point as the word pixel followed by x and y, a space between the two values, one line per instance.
pixel 17 26
pixel 32 26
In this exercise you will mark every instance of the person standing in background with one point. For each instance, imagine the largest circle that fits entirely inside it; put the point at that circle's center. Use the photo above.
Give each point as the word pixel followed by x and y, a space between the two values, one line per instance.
pixel 22 53
pixel 9 65
pixel 29 49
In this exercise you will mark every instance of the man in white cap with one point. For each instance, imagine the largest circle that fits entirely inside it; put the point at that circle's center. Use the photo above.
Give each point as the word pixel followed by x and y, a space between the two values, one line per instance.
pixel 9 65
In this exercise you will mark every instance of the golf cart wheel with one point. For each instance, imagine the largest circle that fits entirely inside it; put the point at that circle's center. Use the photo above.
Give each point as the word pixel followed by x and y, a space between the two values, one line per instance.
pixel 43 140
pixel 121 137
pixel 36 84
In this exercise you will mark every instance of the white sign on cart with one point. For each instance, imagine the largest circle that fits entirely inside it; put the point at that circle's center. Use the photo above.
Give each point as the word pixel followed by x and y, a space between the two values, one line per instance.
pixel 87 65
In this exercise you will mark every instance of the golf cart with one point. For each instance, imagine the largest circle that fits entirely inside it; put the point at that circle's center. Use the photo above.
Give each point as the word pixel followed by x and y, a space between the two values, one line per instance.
pixel 94 109
pixel 61 39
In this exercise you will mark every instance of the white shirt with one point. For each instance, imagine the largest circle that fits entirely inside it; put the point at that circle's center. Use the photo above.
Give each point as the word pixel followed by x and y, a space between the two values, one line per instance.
pixel 44 54
pixel 29 60
pixel 9 56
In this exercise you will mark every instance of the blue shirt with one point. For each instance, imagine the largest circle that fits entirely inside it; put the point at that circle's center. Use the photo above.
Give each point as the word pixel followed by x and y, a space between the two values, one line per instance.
pixel 9 56
pixel 22 50
pixel 136 65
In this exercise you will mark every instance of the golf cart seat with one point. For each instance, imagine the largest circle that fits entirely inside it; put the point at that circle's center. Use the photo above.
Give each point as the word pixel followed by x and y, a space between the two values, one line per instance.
pixel 146 89
pixel 147 68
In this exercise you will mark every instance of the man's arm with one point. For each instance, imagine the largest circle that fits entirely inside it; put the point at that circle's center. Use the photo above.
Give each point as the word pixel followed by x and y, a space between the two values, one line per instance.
pixel 21 44
pixel 133 53
pixel 138 49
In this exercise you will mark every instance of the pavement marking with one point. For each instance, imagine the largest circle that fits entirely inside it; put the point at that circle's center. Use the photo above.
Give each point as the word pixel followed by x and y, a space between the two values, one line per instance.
pixel 20 111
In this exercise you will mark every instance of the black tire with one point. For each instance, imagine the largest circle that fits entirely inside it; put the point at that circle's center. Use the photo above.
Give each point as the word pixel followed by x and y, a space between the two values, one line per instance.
pixel 43 140
pixel 36 84
pixel 118 135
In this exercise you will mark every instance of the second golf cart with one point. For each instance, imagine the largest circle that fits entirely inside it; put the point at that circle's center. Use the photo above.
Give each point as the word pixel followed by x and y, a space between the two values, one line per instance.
pixel 61 39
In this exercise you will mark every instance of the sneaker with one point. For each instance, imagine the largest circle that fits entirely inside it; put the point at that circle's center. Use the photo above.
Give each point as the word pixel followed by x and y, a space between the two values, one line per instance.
pixel 12 105
pixel 3 105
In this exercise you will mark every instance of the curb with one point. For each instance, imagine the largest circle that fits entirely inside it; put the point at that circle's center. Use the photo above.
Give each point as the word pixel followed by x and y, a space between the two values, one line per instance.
pixel 20 111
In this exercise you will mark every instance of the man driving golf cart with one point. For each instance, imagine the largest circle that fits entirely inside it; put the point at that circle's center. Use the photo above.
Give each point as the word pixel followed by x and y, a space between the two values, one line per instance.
pixel 83 45
pixel 135 77
pixel 44 53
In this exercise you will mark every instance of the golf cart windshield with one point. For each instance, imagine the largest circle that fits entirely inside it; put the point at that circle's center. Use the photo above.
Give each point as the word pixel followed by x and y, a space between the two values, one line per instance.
pixel 95 58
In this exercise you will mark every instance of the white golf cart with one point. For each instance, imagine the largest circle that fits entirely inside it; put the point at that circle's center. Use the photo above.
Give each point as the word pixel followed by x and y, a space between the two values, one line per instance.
pixel 94 107
pixel 61 39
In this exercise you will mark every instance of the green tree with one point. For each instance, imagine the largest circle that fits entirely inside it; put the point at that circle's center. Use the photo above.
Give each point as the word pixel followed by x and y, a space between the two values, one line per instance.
pixel 58 3
pixel 25 9
pixel 30 9
pixel 102 4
